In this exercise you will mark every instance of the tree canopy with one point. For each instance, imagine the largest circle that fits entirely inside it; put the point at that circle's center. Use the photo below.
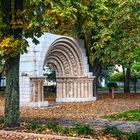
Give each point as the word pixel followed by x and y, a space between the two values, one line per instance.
pixel 119 43
pixel 109 28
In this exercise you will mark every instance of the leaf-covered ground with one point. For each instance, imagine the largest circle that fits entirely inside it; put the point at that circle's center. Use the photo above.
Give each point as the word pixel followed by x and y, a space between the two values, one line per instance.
pixel 80 111
pixel 76 111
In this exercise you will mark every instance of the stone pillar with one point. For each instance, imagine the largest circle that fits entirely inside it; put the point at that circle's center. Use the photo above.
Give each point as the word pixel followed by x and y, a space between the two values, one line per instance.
pixel 64 90
pixel 75 89
pixel 37 92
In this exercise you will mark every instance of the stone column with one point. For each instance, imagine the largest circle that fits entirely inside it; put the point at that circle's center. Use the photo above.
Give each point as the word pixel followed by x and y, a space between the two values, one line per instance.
pixel 37 92
pixel 64 90
pixel 91 95
pixel 85 89
pixel 82 89
pixel 42 90
pixel 75 89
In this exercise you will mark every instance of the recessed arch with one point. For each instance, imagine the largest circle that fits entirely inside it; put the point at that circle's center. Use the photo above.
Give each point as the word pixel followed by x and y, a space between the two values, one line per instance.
pixel 57 53
pixel 72 83
pixel 69 52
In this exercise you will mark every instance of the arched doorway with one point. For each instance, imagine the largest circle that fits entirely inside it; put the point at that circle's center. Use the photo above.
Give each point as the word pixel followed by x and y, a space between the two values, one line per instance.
pixel 49 84
pixel 74 82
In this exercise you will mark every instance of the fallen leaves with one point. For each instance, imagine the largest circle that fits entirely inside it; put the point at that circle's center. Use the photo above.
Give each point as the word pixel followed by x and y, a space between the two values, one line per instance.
pixel 83 111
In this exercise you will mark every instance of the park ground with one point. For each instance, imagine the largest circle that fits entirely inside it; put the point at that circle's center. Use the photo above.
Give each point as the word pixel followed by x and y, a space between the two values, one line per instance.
pixel 81 112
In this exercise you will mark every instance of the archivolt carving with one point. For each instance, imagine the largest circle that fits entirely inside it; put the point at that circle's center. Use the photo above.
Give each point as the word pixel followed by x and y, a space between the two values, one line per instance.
pixel 68 56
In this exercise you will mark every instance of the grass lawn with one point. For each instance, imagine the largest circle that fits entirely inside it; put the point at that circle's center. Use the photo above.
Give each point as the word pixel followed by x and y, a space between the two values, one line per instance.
pixel 132 115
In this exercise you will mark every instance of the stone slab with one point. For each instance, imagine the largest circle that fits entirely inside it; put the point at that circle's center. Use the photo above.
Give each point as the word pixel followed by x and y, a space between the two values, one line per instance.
pixel 75 99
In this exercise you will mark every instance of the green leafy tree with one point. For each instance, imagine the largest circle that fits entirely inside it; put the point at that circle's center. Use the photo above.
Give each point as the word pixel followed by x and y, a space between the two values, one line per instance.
pixel 20 20
pixel 120 40
pixel 117 77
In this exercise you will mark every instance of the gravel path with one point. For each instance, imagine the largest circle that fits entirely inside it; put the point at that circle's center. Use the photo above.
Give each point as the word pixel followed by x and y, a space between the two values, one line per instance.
pixel 124 126
pixel 97 124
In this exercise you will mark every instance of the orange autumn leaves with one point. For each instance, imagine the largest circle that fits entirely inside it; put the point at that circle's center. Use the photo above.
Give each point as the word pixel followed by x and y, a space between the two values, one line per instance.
pixel 56 16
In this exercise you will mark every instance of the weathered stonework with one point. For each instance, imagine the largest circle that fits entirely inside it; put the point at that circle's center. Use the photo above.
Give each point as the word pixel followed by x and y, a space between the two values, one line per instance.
pixel 68 58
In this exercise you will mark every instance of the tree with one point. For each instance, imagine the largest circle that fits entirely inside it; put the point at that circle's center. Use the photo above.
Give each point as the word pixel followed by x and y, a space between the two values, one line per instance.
pixel 19 21
pixel 118 43
pixel 103 28
pixel 93 19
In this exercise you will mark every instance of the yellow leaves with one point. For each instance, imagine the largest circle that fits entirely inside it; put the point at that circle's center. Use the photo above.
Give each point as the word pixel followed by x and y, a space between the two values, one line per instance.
pixel 9 45
pixel 18 23
pixel 53 12
pixel 60 15
pixel 55 21
pixel 49 12
pixel 47 130
pixel 41 139
pixel 5 45
pixel 30 25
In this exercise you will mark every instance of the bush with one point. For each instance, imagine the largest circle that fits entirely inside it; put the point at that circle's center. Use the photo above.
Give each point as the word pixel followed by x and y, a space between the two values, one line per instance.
pixel 83 129
pixel 118 77
pixel 80 129
pixel 112 130
pixel 133 136
pixel 112 85
pixel 1 120
pixel 66 130
pixel 53 126
pixel 34 125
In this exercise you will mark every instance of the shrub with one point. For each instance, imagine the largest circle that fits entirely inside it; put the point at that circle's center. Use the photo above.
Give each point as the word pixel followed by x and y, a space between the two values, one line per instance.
pixel 133 136
pixel 83 129
pixel 1 120
pixel 66 130
pixel 112 84
pixel 53 126
pixel 118 77
pixel 34 125
pixel 112 130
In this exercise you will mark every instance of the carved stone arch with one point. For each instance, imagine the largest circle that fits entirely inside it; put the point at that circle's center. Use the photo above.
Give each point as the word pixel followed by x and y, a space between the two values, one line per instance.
pixel 72 53
pixel 56 66
pixel 58 53
pixel 72 83
pixel 68 58
pixel 72 56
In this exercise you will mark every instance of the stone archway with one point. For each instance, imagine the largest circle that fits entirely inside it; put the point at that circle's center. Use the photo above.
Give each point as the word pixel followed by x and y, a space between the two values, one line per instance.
pixel 68 58
pixel 74 84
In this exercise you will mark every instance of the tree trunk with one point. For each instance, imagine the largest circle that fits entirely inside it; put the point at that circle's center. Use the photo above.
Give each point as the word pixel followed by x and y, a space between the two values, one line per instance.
pixel 96 73
pixel 0 78
pixel 112 92
pixel 12 114
pixel 126 80
pixel 96 67
pixel 135 85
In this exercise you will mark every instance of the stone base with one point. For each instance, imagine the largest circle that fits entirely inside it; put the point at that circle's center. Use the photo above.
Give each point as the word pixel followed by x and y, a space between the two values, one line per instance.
pixel 38 104
pixel 75 99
